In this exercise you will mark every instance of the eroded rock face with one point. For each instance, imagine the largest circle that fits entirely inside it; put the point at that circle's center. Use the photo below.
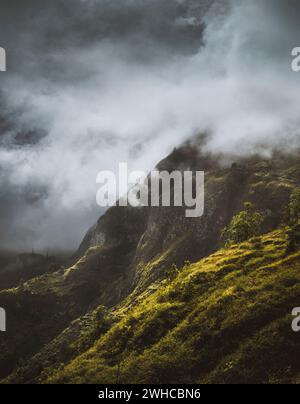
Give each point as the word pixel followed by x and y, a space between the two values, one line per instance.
pixel 131 248
pixel 149 240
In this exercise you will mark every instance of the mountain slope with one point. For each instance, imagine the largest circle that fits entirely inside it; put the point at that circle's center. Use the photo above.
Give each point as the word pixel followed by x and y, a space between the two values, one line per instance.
pixel 224 319
pixel 127 256
pixel 24 267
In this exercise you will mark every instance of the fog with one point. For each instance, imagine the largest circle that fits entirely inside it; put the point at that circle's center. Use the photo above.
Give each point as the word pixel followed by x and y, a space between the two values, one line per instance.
pixel 97 82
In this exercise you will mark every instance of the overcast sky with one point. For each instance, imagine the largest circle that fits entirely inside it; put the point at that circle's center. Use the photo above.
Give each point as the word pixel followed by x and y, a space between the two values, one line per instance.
pixel 91 83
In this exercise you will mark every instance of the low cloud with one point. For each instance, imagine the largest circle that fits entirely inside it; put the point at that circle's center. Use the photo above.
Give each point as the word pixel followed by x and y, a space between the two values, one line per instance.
pixel 103 82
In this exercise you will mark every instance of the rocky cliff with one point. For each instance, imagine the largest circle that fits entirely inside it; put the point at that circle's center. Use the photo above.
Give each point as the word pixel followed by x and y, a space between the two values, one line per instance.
pixel 124 261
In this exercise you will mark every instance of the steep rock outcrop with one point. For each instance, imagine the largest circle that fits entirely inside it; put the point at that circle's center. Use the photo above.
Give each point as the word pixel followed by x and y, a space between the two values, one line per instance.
pixel 130 249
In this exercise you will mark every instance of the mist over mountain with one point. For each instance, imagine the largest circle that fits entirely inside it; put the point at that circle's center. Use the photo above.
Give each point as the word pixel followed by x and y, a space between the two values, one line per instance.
pixel 148 295
pixel 94 83
pixel 156 297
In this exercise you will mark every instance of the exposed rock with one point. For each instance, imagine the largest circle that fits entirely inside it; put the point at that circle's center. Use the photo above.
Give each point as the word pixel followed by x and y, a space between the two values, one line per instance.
pixel 127 253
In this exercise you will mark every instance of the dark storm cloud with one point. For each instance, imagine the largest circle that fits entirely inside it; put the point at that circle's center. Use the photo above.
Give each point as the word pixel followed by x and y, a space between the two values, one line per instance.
pixel 60 54
pixel 41 28
pixel 97 82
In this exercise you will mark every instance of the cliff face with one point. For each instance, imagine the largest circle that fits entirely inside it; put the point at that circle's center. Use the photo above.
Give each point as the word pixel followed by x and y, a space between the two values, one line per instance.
pixel 146 241
pixel 126 256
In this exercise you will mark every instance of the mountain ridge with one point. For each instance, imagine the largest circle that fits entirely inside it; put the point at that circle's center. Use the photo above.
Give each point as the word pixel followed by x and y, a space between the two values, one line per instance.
pixel 128 254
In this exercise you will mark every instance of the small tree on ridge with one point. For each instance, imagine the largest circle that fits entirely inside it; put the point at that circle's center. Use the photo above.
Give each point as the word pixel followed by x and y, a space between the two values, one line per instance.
pixel 243 226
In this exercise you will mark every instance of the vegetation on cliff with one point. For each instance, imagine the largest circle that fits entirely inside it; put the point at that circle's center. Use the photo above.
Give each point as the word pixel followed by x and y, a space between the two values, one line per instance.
pixel 157 298
pixel 225 319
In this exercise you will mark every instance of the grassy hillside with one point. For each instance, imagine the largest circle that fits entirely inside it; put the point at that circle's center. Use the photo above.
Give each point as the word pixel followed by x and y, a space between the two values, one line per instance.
pixel 132 309
pixel 226 318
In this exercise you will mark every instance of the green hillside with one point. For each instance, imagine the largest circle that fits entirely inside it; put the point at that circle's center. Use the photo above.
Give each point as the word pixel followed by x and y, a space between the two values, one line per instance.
pixel 155 297
pixel 225 319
